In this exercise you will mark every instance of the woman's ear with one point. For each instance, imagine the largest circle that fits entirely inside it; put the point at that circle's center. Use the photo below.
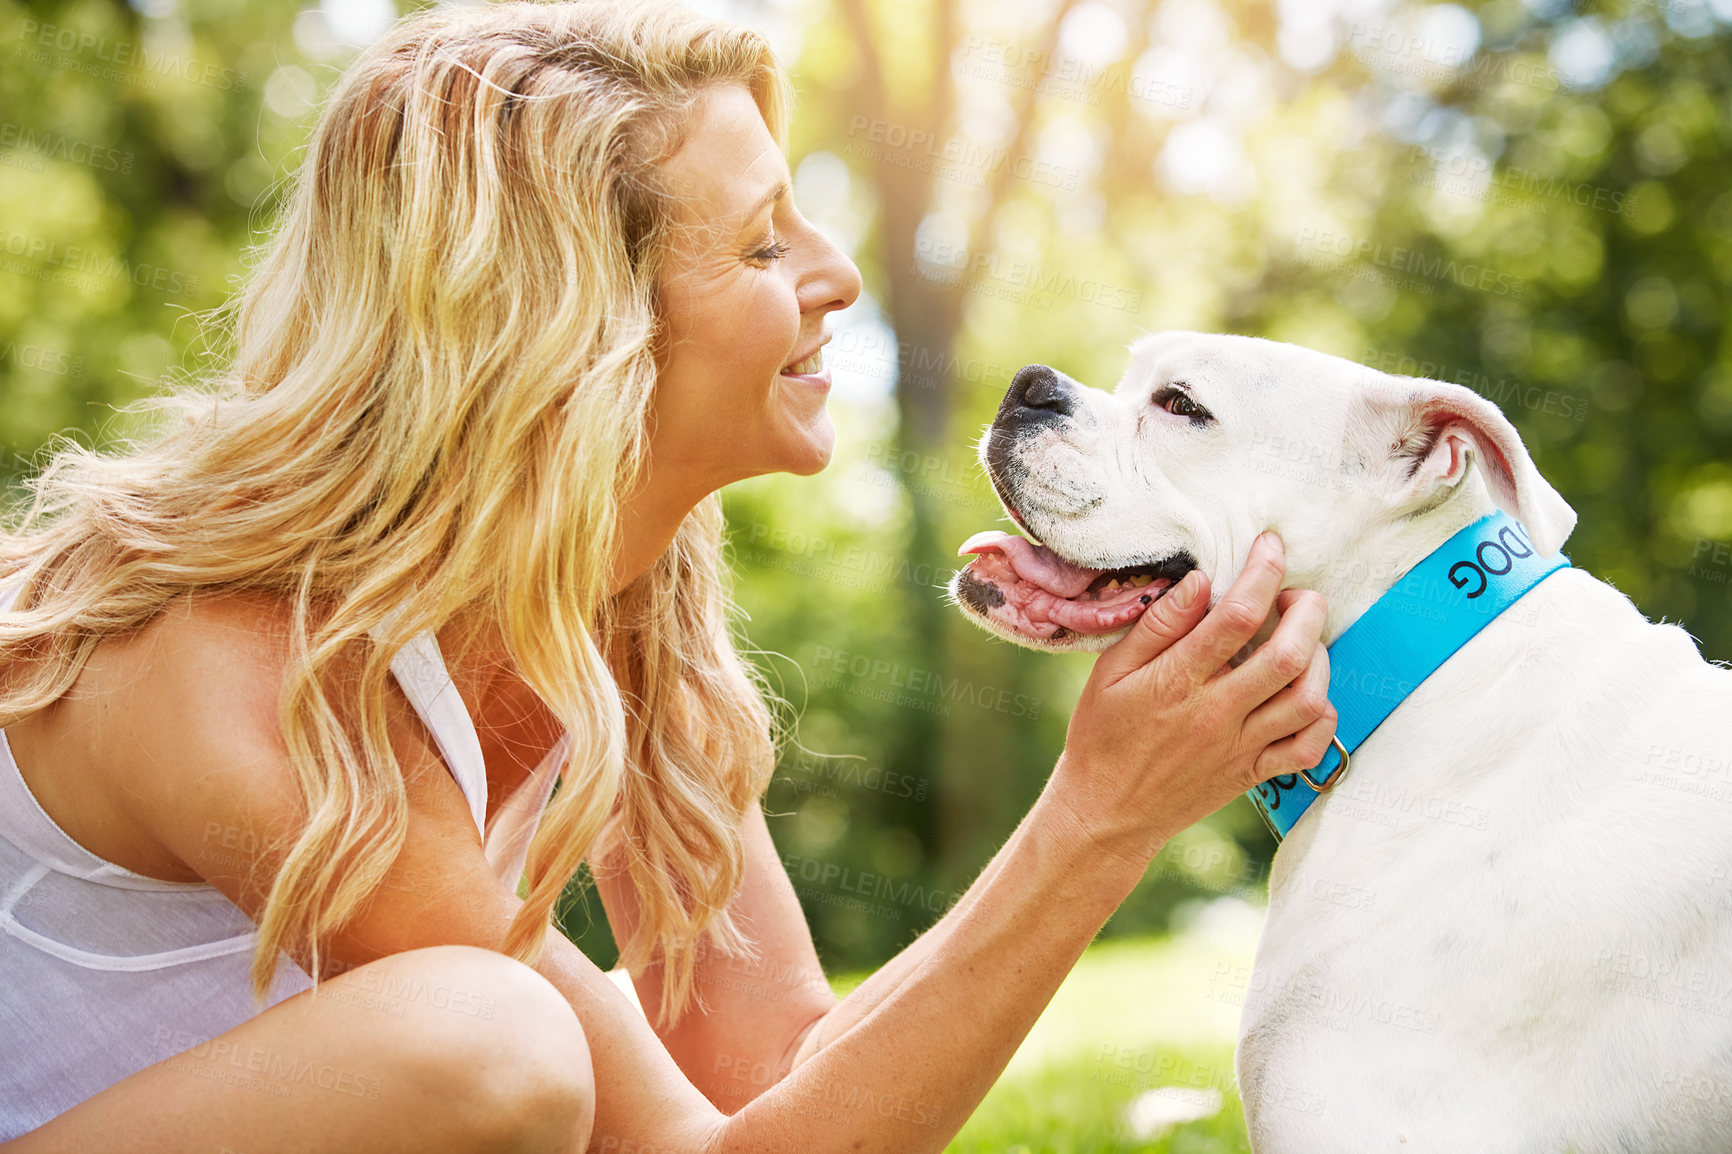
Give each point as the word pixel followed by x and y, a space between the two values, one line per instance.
pixel 1439 428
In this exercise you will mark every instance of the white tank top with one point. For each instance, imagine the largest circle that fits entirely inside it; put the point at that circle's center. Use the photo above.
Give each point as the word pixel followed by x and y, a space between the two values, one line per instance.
pixel 104 971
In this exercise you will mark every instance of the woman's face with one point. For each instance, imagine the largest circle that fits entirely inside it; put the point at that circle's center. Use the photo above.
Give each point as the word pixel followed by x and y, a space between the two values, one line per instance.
pixel 745 286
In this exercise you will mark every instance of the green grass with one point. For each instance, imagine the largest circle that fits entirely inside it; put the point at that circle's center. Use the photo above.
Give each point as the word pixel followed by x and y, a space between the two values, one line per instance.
pixel 1135 1015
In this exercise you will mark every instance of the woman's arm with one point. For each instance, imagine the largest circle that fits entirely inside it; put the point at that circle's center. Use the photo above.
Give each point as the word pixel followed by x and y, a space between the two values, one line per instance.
pixel 768 1016
pixel 1314 721
pixel 757 1009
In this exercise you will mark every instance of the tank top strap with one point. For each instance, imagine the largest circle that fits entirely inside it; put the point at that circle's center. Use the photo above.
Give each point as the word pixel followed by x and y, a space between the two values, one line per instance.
pixel 508 838
pixel 420 670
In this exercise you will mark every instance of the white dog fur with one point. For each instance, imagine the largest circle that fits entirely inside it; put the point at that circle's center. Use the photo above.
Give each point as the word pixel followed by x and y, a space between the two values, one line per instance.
pixel 1510 927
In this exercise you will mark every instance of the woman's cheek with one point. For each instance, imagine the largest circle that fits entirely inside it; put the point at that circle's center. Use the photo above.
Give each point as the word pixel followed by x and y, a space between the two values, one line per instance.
pixel 779 320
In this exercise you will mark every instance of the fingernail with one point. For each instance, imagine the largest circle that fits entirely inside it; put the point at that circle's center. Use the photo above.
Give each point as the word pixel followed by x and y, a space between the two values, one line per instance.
pixel 1185 595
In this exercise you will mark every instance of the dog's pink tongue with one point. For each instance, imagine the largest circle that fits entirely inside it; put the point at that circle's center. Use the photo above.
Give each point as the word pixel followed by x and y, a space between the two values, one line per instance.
pixel 1033 563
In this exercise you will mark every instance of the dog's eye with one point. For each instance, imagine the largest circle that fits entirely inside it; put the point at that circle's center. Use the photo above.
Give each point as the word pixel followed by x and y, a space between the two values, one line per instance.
pixel 1180 403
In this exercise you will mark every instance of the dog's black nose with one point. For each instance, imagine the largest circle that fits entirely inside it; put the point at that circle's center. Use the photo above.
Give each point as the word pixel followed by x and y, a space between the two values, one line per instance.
pixel 1039 388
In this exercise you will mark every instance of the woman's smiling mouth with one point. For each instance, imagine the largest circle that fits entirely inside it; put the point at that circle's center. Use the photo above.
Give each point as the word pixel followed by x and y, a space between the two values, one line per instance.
pixel 812 365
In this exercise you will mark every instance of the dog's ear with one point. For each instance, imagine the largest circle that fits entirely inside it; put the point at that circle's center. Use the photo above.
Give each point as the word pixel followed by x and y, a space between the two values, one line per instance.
pixel 1435 428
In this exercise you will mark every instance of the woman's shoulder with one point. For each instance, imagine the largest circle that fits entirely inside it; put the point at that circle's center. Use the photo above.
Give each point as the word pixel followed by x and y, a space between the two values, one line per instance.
pixel 149 713
pixel 168 751
pixel 170 734
pixel 217 656
pixel 207 669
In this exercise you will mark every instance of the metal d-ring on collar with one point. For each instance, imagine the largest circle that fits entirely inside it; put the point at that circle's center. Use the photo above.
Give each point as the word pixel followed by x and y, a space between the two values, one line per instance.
pixel 1329 783
pixel 1403 638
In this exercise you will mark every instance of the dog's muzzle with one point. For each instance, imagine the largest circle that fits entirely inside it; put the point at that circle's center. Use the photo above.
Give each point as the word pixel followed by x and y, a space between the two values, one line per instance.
pixel 1018 585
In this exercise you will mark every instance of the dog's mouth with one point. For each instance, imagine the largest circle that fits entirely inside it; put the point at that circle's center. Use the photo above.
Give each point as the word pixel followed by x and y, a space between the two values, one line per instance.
pixel 1034 594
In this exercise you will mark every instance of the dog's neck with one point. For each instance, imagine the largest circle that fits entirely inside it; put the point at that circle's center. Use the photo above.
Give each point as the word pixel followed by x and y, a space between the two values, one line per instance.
pixel 1412 630
pixel 1367 564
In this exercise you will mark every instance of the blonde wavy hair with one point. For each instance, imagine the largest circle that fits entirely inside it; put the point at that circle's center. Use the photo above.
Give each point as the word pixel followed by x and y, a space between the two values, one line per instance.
pixel 436 403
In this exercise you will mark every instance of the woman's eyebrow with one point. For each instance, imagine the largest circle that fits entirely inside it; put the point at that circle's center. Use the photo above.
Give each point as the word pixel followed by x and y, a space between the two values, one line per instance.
pixel 769 198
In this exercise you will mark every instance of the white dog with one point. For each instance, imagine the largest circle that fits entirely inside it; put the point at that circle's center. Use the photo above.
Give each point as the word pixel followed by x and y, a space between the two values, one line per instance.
pixel 1510 926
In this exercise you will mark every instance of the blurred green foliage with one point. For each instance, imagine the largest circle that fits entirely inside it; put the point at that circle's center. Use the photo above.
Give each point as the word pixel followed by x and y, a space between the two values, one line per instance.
pixel 1524 198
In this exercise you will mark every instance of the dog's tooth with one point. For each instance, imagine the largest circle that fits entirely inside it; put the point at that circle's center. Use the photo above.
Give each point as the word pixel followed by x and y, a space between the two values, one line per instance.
pixel 1113 584
pixel 1140 580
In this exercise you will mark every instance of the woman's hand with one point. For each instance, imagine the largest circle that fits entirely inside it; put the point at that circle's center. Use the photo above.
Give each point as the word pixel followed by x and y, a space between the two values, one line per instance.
pixel 1165 733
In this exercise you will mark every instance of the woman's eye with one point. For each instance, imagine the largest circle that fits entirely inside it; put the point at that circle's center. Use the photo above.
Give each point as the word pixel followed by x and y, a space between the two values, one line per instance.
pixel 772 252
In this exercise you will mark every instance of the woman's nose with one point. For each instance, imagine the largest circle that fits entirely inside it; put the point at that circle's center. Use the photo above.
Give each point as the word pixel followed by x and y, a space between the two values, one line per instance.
pixel 851 280
pixel 835 280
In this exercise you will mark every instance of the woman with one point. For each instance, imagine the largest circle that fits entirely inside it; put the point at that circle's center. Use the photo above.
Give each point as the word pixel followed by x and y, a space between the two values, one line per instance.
pixel 539 291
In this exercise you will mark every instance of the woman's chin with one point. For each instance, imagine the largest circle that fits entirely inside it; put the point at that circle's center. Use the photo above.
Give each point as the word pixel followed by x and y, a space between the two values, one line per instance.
pixel 812 462
pixel 802 449
pixel 813 450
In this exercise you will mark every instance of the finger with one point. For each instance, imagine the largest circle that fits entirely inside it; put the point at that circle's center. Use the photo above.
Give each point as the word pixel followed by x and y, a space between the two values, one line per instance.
pixel 1171 617
pixel 1295 707
pixel 1284 657
pixel 1290 755
pixel 1240 613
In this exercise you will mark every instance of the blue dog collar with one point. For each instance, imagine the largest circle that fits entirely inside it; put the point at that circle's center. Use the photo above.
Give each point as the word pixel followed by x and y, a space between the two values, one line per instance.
pixel 1402 639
